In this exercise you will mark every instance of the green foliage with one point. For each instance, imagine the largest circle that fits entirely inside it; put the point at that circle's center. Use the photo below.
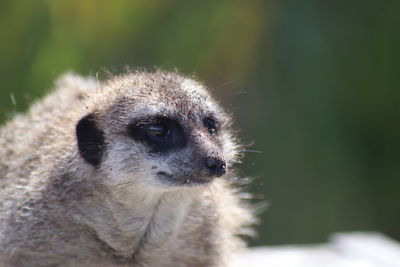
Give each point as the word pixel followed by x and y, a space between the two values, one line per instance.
pixel 320 78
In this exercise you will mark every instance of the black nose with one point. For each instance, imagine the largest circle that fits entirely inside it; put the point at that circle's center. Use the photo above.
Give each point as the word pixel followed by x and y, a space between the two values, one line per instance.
pixel 215 166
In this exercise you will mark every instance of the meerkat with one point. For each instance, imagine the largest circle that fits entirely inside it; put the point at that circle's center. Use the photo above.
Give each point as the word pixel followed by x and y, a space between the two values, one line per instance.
pixel 131 171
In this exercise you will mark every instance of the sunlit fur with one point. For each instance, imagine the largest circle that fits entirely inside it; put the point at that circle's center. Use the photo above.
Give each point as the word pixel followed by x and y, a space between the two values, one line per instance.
pixel 56 209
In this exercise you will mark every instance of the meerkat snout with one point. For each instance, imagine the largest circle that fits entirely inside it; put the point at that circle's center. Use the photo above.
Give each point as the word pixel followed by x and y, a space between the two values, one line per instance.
pixel 215 166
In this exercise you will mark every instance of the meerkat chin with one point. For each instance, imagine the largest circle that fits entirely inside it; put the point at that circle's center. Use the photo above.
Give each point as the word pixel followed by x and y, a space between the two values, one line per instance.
pixel 132 171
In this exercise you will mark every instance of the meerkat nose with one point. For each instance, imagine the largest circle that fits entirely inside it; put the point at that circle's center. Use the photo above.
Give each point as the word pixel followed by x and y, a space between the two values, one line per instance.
pixel 215 166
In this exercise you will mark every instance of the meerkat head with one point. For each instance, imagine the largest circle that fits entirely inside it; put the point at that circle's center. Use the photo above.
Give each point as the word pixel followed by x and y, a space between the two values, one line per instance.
pixel 158 129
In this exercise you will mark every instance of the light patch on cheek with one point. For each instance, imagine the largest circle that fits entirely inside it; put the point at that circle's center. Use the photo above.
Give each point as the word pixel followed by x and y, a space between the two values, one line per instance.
pixel 130 167
pixel 121 163
pixel 161 165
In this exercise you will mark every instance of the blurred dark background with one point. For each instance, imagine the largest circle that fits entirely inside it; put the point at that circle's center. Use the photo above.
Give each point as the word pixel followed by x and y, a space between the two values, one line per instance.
pixel 313 83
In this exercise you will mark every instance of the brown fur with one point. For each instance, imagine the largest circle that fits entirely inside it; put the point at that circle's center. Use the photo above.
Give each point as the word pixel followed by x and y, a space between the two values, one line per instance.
pixel 58 210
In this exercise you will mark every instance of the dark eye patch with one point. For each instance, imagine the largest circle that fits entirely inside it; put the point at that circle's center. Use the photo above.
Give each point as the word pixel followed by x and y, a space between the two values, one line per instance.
pixel 160 133
pixel 211 125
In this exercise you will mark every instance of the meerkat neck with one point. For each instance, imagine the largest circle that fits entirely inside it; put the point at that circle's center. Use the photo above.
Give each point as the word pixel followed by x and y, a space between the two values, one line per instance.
pixel 142 221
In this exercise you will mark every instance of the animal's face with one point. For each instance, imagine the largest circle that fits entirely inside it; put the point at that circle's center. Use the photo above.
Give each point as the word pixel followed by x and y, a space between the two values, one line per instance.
pixel 159 130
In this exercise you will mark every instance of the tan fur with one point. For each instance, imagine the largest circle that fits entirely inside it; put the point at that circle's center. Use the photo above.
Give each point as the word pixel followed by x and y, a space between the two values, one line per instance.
pixel 58 210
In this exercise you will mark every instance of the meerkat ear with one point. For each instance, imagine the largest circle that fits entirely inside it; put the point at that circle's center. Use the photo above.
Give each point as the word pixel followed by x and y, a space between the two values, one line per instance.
pixel 90 140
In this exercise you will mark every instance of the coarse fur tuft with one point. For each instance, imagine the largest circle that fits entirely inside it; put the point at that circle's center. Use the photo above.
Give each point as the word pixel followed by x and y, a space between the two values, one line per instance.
pixel 91 176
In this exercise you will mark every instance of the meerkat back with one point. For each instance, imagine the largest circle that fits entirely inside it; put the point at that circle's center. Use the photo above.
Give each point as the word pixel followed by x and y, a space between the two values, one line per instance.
pixel 132 171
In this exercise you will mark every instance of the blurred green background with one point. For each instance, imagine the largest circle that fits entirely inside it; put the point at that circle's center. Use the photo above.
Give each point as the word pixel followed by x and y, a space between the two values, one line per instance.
pixel 315 85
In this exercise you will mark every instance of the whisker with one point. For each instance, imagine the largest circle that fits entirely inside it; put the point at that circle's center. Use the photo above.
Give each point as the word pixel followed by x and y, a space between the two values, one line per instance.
pixel 13 101
pixel 249 150
pixel 224 84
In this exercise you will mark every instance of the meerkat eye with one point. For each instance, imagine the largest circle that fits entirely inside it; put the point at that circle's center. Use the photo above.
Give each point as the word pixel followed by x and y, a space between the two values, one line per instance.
pixel 158 132
pixel 209 123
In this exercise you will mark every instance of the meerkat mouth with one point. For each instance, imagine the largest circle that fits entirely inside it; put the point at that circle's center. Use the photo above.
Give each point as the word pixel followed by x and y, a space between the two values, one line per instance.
pixel 178 181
